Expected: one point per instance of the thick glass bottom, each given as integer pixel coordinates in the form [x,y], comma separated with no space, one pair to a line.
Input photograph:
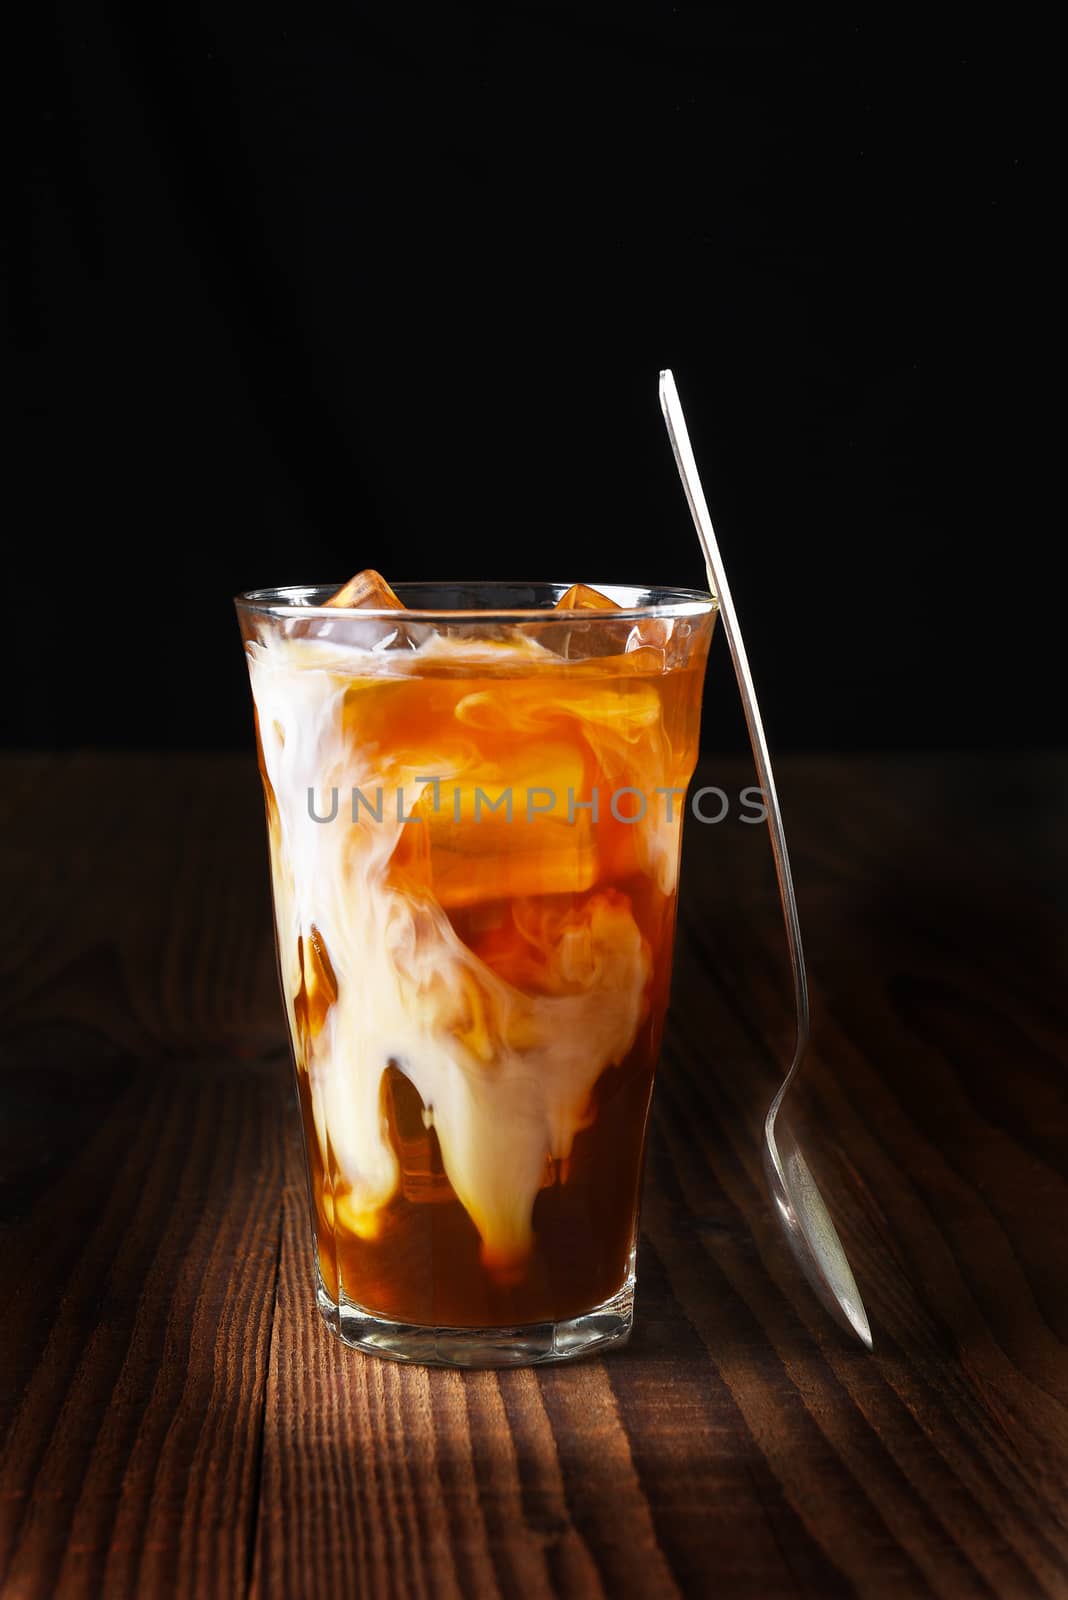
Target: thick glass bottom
[532,1344]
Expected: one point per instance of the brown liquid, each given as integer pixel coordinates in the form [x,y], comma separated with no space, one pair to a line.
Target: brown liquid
[519,896]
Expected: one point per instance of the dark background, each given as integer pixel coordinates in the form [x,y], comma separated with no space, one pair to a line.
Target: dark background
[352,285]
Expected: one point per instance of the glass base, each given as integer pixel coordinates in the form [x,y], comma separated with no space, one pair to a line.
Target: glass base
[532,1344]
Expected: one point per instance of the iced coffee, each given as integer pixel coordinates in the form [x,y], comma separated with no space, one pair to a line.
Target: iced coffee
[475,797]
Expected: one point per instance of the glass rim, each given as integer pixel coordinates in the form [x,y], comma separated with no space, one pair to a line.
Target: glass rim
[673,602]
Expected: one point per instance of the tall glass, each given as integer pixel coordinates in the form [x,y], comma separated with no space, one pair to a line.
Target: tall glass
[474,811]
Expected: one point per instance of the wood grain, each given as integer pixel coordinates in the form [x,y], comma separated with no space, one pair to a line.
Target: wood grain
[178,1421]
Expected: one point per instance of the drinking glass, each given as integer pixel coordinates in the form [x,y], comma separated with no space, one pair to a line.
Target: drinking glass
[474,814]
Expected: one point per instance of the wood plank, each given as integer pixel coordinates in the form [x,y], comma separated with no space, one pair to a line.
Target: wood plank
[144,1287]
[142,1213]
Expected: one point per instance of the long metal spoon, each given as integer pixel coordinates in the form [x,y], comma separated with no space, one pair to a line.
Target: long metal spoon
[805,1219]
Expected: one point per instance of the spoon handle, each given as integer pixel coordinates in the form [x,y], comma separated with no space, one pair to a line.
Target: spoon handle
[717,578]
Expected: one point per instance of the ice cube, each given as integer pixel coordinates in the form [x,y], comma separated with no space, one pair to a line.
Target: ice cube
[642,642]
[493,836]
[367,591]
[546,946]
[579,639]
[612,714]
[580,597]
[615,702]
[318,988]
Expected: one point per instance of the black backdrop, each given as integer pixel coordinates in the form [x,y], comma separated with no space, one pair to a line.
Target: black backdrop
[354,285]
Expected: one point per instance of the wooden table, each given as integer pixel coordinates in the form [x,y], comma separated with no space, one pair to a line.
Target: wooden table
[180,1421]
